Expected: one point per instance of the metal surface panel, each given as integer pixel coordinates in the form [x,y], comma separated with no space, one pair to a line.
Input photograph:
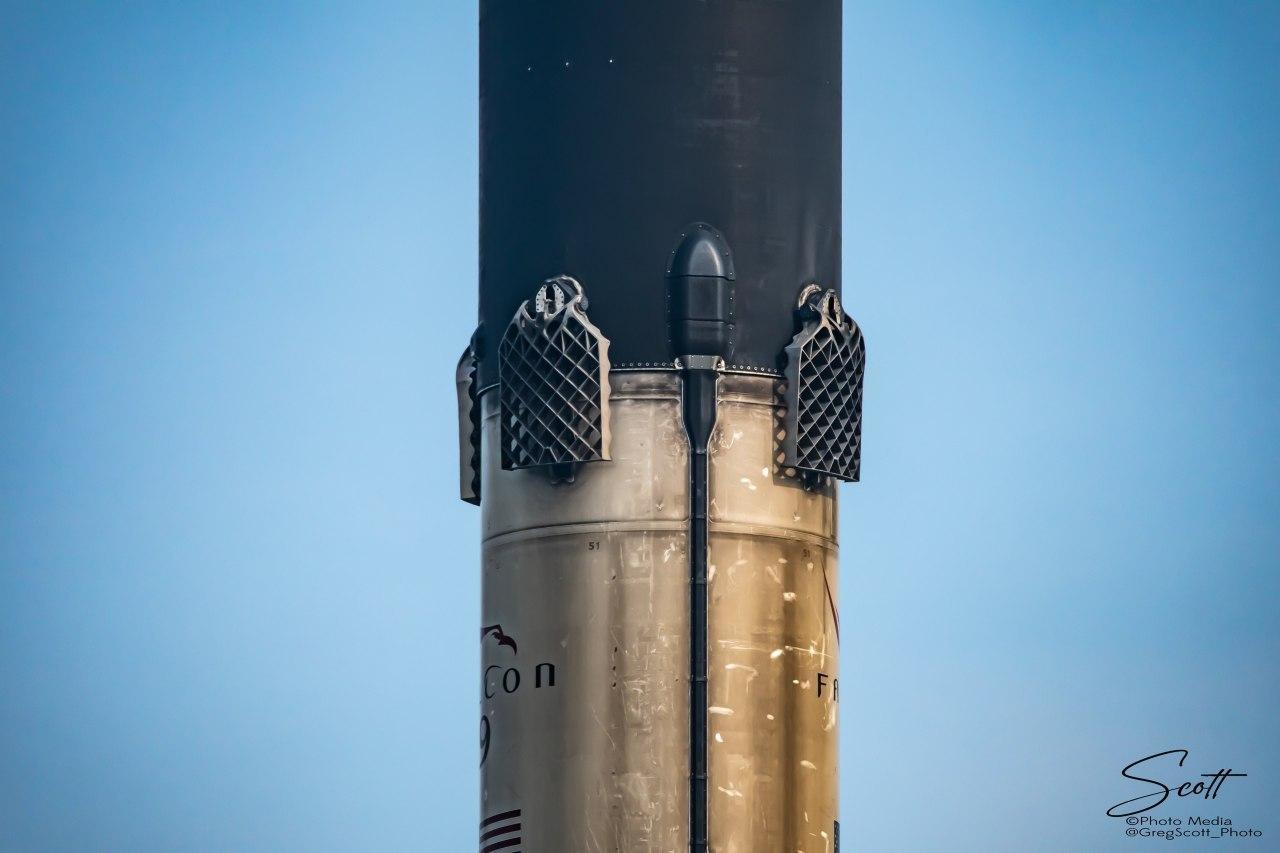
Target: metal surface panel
[749,485]
[773,640]
[646,481]
[584,637]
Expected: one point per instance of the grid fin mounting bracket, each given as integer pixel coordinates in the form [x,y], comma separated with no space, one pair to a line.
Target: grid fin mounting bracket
[825,363]
[553,373]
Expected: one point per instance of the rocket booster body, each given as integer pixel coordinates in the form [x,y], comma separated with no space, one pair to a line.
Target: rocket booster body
[655,409]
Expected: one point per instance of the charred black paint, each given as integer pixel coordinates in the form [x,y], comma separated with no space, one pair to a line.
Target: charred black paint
[607,126]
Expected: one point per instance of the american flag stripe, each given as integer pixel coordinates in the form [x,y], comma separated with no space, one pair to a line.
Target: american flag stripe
[500,845]
[498,817]
[500,832]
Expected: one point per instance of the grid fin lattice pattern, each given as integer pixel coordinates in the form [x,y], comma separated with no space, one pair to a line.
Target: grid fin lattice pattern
[468,428]
[553,370]
[825,365]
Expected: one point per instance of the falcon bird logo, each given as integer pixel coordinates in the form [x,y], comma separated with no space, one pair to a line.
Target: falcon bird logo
[502,638]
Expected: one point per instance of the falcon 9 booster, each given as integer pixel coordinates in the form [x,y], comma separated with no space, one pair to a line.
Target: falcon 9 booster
[655,409]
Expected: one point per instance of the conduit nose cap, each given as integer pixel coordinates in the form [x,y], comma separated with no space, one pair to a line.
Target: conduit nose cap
[702,251]
[700,313]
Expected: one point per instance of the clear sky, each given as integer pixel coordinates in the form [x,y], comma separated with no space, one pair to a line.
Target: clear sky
[239,596]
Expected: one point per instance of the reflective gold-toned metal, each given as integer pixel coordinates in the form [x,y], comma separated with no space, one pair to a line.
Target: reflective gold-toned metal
[773,638]
[587,583]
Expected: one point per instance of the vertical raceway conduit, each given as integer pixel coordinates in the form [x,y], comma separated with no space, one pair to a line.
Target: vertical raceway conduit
[700,286]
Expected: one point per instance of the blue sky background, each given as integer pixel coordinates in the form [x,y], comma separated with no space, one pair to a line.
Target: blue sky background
[238,595]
